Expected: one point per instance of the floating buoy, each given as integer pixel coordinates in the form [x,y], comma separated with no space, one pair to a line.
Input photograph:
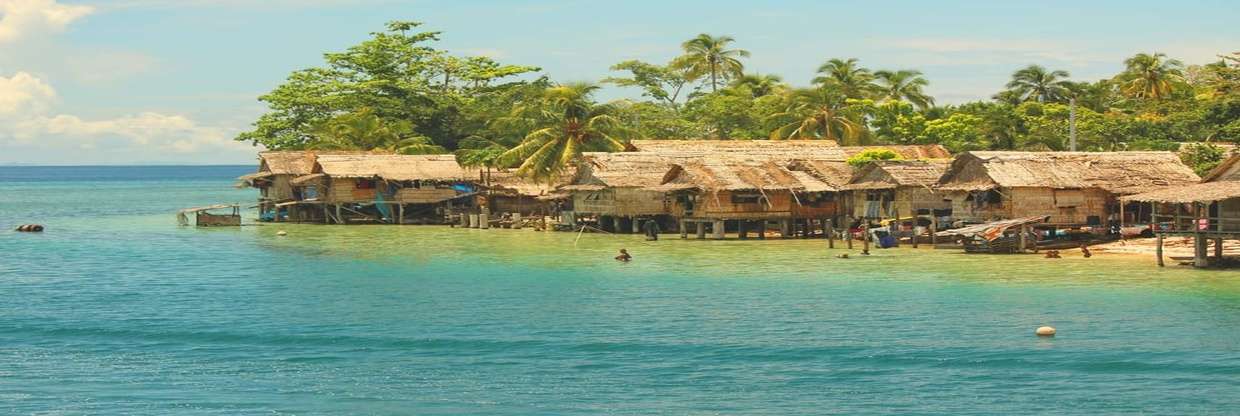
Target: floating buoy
[30,228]
[281,233]
[1045,331]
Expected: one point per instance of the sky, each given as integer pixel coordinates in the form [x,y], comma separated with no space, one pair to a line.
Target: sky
[173,81]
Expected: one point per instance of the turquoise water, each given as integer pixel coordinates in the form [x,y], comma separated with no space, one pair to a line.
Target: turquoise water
[116,310]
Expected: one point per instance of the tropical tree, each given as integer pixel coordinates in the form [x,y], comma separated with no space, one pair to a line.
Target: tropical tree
[760,85]
[363,130]
[846,76]
[1151,76]
[906,85]
[565,122]
[663,83]
[1036,83]
[818,113]
[708,55]
[481,152]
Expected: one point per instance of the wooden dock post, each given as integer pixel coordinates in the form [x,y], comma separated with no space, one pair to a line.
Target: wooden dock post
[339,219]
[1199,250]
[718,229]
[635,224]
[829,230]
[684,229]
[473,220]
[742,229]
[916,221]
[701,230]
[484,218]
[865,238]
[1158,250]
[463,220]
[1218,249]
[848,234]
[1024,228]
[400,213]
[934,226]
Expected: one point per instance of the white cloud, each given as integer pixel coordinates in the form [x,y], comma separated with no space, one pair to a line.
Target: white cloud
[24,95]
[97,66]
[22,18]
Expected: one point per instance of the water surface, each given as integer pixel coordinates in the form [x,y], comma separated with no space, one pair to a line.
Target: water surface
[116,310]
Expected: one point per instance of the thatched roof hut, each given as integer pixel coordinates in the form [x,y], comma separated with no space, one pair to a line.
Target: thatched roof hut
[716,173]
[620,170]
[1229,170]
[780,150]
[1201,192]
[1119,173]
[437,168]
[891,174]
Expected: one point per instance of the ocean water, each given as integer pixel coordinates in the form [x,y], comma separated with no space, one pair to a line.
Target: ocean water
[117,310]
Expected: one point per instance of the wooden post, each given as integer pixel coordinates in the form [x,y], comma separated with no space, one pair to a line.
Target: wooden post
[684,229]
[339,219]
[1158,250]
[1218,249]
[1021,247]
[785,228]
[848,234]
[400,213]
[616,225]
[701,230]
[636,225]
[761,229]
[1199,241]
[326,216]
[718,229]
[473,220]
[742,229]
[934,226]
[829,225]
[865,237]
[484,218]
[915,235]
[516,220]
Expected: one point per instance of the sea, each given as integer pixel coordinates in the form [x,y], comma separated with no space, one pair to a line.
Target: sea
[117,310]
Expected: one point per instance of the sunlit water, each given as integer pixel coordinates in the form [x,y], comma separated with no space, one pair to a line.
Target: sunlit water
[117,310]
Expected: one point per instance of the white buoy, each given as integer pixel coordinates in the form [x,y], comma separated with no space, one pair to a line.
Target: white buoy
[1045,331]
[281,233]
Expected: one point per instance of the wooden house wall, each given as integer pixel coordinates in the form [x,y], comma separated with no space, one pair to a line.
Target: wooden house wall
[1063,206]
[280,189]
[821,208]
[345,190]
[620,202]
[719,205]
[526,205]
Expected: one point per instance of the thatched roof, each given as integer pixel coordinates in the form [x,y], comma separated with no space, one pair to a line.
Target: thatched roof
[890,174]
[835,173]
[295,162]
[621,170]
[509,181]
[1229,170]
[1116,172]
[780,150]
[735,174]
[441,168]
[1202,192]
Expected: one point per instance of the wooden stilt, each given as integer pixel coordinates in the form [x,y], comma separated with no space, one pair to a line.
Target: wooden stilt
[865,237]
[761,229]
[916,220]
[516,220]
[719,229]
[934,226]
[742,229]
[1199,251]
[1218,249]
[339,219]
[616,225]
[635,224]
[701,230]
[848,234]
[829,229]
[484,218]
[684,230]
[1158,250]
[1023,230]
[400,213]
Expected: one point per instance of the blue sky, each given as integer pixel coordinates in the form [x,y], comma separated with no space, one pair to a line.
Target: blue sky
[172,81]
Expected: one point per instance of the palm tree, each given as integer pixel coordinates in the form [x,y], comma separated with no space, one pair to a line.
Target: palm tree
[363,130]
[905,84]
[760,85]
[481,152]
[1037,83]
[708,55]
[1151,76]
[565,123]
[847,77]
[818,113]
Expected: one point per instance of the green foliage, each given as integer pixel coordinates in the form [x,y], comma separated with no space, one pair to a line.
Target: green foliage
[563,123]
[1202,157]
[708,57]
[363,130]
[870,155]
[663,83]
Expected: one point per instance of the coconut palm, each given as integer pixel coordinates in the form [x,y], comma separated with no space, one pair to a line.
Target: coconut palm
[481,152]
[363,130]
[846,76]
[1151,76]
[906,85]
[818,113]
[564,123]
[760,85]
[1035,82]
[709,55]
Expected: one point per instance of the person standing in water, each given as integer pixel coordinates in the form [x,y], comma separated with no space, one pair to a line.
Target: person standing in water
[624,256]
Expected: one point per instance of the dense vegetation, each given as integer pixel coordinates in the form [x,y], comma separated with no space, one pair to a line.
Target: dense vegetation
[395,92]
